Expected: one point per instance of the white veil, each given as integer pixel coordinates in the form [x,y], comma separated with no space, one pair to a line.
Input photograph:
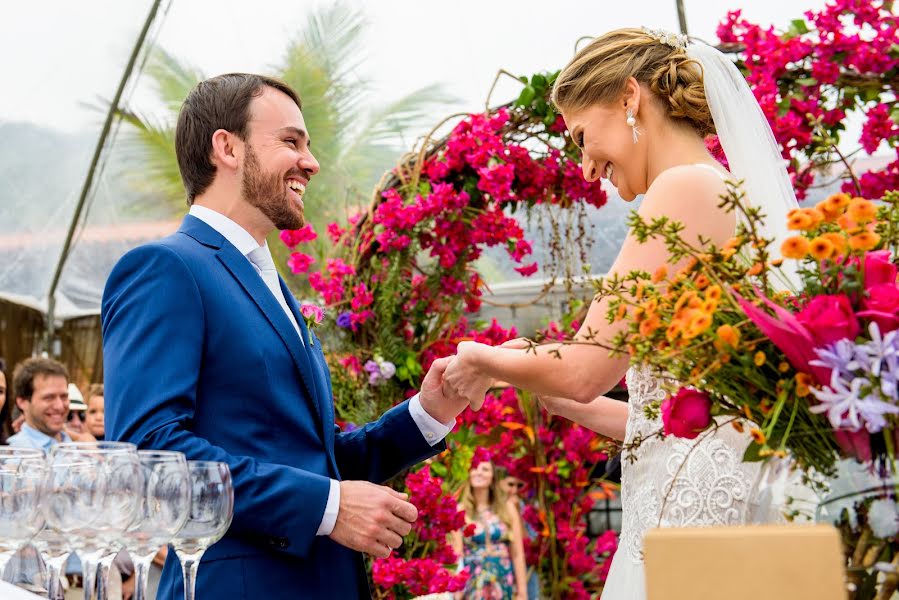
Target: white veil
[754,157]
[749,145]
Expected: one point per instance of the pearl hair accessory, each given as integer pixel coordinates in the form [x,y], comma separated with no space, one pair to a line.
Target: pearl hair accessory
[675,40]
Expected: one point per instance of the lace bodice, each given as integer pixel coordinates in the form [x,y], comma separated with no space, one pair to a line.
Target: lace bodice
[674,482]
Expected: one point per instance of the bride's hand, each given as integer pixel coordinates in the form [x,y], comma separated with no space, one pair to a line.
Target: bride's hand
[463,378]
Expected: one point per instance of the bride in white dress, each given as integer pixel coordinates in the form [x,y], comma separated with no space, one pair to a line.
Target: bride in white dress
[639,104]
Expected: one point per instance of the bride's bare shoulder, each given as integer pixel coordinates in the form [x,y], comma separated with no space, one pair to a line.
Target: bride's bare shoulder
[691,194]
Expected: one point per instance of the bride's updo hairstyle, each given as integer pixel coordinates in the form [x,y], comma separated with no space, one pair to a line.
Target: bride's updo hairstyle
[599,72]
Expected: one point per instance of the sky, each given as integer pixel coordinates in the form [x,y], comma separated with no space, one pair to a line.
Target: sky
[60,59]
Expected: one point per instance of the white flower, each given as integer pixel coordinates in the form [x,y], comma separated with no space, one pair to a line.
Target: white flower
[883,518]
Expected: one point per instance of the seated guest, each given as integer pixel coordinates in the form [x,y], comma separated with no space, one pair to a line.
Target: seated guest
[41,389]
[94,421]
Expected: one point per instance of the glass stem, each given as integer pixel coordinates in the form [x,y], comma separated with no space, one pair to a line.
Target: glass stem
[89,574]
[141,574]
[5,557]
[189,568]
[102,580]
[53,570]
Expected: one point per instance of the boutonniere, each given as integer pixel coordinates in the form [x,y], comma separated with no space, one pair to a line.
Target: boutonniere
[313,315]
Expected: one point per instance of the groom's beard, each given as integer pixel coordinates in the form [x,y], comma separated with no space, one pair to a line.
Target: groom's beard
[268,192]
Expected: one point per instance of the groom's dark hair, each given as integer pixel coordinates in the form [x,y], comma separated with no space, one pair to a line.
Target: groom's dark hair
[221,102]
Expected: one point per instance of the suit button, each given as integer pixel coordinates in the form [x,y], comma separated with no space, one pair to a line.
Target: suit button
[430,435]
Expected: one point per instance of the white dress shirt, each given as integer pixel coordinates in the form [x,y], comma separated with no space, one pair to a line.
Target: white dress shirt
[431,429]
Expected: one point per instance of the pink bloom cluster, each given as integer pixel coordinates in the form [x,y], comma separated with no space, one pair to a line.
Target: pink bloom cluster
[852,38]
[438,516]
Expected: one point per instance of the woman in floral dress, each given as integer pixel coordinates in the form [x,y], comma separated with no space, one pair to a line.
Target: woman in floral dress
[494,552]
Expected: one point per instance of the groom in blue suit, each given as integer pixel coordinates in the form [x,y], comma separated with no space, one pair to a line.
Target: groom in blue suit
[206,353]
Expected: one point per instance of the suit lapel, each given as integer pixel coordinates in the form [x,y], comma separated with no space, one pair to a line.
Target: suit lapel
[250,280]
[325,404]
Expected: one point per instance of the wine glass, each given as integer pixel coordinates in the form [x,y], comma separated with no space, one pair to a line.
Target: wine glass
[22,475]
[54,547]
[95,491]
[211,510]
[165,508]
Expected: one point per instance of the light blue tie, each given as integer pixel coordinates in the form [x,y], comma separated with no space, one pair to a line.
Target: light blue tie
[262,260]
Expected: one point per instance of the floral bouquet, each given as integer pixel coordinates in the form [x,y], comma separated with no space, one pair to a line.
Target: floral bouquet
[801,351]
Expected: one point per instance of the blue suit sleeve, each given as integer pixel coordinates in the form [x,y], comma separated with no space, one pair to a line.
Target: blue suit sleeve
[153,344]
[383,448]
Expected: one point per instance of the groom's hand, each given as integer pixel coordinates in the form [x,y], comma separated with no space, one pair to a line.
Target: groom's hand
[372,518]
[433,400]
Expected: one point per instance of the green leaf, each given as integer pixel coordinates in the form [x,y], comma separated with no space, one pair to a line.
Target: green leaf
[523,79]
[752,453]
[439,469]
[538,81]
[807,81]
[527,96]
[893,51]
[799,26]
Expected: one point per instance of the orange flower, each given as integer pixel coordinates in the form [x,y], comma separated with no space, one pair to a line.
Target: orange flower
[783,367]
[847,224]
[821,248]
[702,282]
[836,203]
[649,326]
[684,300]
[866,240]
[660,274]
[737,425]
[776,262]
[759,358]
[622,312]
[800,221]
[803,382]
[838,240]
[674,330]
[713,293]
[733,243]
[816,215]
[709,306]
[795,247]
[727,336]
[699,322]
[861,210]
[755,269]
[639,292]
[757,436]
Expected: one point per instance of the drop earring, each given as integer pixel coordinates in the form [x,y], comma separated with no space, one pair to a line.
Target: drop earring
[632,122]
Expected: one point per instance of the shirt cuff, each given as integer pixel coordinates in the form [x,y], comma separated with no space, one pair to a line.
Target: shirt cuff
[432,429]
[329,519]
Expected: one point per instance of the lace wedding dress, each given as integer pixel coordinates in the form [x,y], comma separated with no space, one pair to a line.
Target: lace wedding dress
[674,482]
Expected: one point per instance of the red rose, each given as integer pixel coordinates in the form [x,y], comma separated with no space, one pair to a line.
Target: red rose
[829,318]
[686,413]
[879,269]
[882,306]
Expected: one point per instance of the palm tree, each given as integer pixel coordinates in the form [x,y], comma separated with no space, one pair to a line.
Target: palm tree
[354,142]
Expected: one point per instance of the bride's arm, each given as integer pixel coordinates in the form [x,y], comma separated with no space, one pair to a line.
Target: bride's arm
[585,371]
[603,415]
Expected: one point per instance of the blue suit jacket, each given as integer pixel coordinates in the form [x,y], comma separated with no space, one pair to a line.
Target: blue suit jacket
[199,357]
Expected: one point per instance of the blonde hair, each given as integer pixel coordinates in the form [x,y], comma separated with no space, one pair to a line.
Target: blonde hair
[497,499]
[599,72]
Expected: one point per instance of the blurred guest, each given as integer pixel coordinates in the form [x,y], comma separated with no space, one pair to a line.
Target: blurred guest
[5,406]
[94,420]
[41,389]
[494,553]
[77,413]
[514,488]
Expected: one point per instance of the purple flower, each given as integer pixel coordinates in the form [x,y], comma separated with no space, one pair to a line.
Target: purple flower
[372,368]
[345,320]
[388,369]
[852,404]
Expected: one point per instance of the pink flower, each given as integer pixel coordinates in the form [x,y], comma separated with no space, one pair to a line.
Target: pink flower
[787,333]
[879,269]
[687,413]
[299,262]
[527,270]
[854,444]
[882,306]
[293,237]
[312,312]
[829,318]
